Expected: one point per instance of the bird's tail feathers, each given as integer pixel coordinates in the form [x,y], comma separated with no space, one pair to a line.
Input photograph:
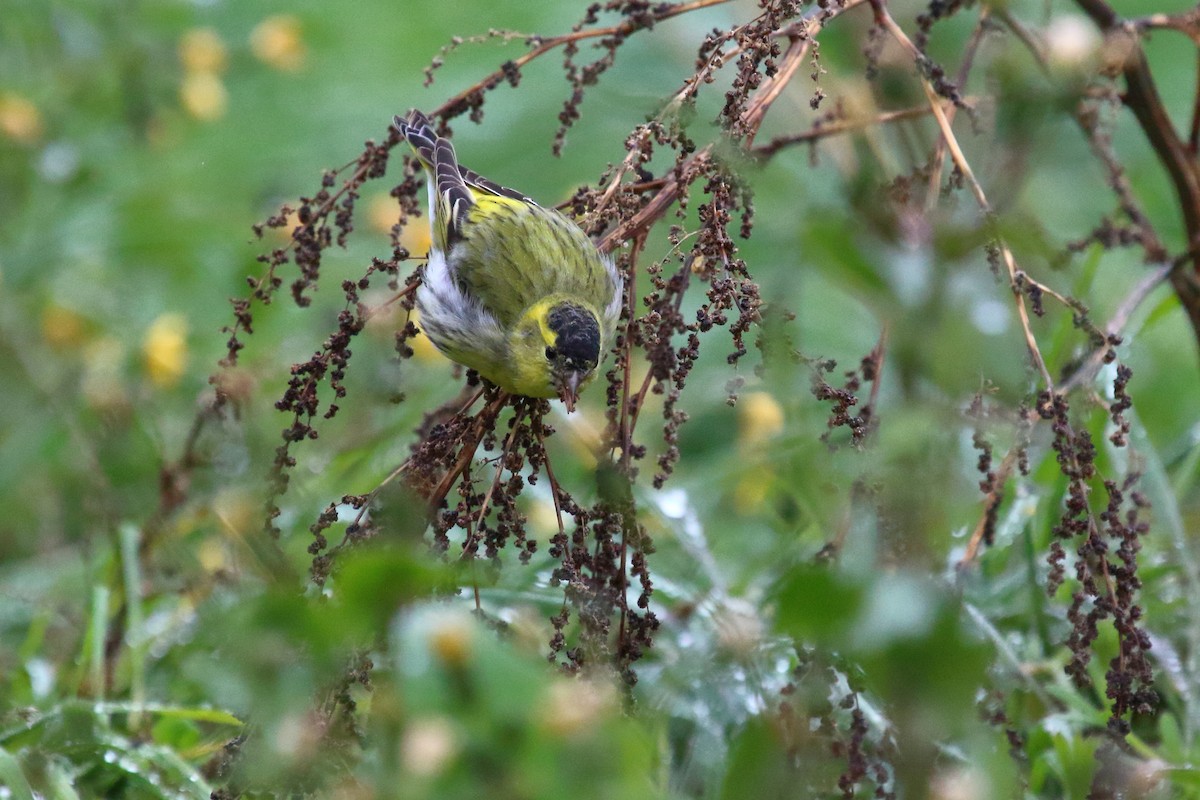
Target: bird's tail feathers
[453,195]
[416,128]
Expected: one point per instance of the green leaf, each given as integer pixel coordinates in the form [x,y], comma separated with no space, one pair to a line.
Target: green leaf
[194,714]
[758,767]
[816,604]
[12,778]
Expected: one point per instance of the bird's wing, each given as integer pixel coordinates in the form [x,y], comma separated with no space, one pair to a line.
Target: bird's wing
[485,186]
[437,153]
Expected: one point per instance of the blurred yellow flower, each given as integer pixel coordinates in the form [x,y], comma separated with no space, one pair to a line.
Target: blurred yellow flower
[451,641]
[20,119]
[543,517]
[62,328]
[760,419]
[164,350]
[204,96]
[213,556]
[415,238]
[383,213]
[202,50]
[284,232]
[277,42]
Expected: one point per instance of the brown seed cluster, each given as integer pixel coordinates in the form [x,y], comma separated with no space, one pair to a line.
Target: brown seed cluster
[819,713]
[845,398]
[1106,548]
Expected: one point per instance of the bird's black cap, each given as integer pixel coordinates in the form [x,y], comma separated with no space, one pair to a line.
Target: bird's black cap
[578,335]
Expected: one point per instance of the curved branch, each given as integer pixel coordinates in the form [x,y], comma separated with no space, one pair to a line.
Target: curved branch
[543,46]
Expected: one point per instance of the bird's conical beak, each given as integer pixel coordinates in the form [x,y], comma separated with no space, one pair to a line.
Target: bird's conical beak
[568,390]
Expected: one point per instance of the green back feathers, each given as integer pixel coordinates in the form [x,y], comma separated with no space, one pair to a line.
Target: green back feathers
[516,254]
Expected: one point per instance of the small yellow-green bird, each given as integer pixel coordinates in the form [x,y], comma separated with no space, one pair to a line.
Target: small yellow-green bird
[515,291]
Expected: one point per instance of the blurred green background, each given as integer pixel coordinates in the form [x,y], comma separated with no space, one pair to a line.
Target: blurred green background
[141,627]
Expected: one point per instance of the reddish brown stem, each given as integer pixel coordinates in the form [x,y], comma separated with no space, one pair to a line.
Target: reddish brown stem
[458,102]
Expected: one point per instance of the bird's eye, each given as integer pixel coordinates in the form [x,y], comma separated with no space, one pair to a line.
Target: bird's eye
[551,353]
